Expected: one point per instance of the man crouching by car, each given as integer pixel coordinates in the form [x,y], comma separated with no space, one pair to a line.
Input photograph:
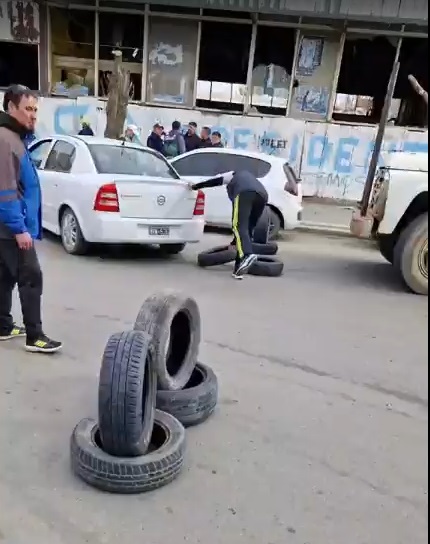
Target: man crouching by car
[20,222]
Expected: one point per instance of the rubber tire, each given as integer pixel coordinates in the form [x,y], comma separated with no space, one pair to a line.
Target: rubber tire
[267,266]
[262,232]
[194,404]
[405,254]
[82,246]
[386,244]
[216,256]
[172,249]
[128,475]
[270,248]
[156,317]
[127,395]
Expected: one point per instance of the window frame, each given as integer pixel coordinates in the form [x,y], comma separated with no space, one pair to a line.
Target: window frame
[72,157]
[36,145]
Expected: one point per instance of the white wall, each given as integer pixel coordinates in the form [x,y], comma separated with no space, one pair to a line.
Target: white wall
[331,158]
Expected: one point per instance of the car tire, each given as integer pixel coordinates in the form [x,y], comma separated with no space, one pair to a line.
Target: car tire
[172,321]
[411,255]
[270,248]
[127,395]
[172,249]
[72,238]
[267,266]
[216,256]
[129,475]
[268,226]
[196,402]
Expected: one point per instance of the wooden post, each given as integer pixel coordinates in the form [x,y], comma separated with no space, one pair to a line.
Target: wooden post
[118,96]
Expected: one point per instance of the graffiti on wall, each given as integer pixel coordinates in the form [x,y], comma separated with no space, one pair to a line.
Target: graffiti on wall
[331,159]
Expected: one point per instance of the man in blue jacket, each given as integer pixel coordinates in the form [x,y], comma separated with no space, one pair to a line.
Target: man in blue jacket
[20,222]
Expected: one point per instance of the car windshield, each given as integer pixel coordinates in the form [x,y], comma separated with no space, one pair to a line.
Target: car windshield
[130,161]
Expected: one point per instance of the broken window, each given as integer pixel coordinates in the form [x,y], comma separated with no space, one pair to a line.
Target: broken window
[171,61]
[271,74]
[73,51]
[125,32]
[315,69]
[413,61]
[367,63]
[223,65]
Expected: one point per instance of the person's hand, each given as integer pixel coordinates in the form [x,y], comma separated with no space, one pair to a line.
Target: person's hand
[24,241]
[191,186]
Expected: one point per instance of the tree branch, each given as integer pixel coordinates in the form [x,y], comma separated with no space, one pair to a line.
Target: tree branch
[419,89]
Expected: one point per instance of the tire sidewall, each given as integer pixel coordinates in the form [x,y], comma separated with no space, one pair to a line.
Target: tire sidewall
[413,241]
[80,239]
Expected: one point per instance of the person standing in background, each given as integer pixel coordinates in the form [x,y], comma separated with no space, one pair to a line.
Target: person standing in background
[216,139]
[86,129]
[174,143]
[155,140]
[132,134]
[192,140]
[205,137]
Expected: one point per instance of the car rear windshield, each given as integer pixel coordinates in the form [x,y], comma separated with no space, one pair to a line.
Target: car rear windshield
[130,161]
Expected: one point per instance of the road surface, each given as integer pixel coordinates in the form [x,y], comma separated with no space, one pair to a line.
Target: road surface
[321,432]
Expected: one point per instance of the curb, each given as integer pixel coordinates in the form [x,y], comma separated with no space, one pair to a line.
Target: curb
[325,228]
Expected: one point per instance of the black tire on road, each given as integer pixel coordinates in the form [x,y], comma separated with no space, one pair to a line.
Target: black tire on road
[216,256]
[196,402]
[172,249]
[71,234]
[172,321]
[129,475]
[127,395]
[267,266]
[411,255]
[268,226]
[270,248]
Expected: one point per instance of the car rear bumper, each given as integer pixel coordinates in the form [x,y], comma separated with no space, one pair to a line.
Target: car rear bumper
[292,215]
[108,228]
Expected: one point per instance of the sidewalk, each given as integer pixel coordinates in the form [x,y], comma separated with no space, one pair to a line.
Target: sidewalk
[327,217]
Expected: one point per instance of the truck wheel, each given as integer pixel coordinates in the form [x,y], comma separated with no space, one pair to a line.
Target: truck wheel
[386,245]
[411,255]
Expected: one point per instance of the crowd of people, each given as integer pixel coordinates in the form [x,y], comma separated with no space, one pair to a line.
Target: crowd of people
[169,143]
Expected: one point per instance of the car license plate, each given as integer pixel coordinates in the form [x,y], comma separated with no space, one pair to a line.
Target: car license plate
[159,231]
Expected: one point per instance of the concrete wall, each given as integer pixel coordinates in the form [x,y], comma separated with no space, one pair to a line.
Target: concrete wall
[331,158]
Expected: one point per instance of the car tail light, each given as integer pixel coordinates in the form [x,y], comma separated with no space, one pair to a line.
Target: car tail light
[292,185]
[107,199]
[199,208]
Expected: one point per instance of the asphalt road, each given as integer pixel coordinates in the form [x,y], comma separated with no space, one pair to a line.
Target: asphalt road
[321,432]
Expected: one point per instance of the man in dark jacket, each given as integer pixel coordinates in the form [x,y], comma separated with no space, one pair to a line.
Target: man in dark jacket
[155,141]
[192,141]
[205,137]
[216,139]
[20,222]
[249,198]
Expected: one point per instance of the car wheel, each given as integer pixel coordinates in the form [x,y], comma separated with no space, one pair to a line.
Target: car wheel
[71,234]
[411,255]
[129,475]
[195,403]
[268,226]
[172,249]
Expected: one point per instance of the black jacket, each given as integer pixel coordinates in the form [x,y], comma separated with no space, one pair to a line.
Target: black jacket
[205,143]
[192,142]
[219,144]
[155,142]
[86,131]
[241,182]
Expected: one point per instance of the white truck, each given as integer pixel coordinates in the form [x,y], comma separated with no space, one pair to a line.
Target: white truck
[397,217]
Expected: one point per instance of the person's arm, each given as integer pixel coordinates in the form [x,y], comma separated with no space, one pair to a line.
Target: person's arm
[10,206]
[181,144]
[214,182]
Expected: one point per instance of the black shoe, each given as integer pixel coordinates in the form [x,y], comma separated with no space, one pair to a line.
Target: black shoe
[43,345]
[16,332]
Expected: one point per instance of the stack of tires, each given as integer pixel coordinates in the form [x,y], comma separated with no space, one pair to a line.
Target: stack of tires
[151,387]
[266,264]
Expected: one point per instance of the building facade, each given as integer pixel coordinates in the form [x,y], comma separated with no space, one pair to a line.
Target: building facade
[304,79]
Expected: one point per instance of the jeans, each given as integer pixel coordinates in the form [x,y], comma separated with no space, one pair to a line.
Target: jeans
[22,268]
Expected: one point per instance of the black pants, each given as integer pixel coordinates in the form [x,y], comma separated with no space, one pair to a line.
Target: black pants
[22,268]
[247,209]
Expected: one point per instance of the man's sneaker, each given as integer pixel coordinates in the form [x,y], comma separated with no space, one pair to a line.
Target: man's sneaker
[16,332]
[236,276]
[43,345]
[245,264]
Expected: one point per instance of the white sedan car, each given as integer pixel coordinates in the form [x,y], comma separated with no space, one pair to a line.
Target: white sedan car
[96,190]
[281,182]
